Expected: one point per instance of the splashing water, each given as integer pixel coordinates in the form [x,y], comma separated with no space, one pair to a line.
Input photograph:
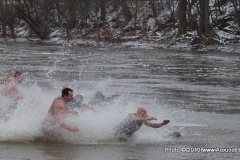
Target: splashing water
[165,86]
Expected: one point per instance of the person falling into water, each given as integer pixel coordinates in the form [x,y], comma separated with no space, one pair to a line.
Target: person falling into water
[77,103]
[54,120]
[100,99]
[11,91]
[133,122]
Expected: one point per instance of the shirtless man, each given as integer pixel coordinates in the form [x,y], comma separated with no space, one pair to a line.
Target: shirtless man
[134,122]
[11,91]
[52,123]
[5,78]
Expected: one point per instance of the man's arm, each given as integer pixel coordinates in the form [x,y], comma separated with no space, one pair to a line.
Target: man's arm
[73,112]
[5,78]
[156,125]
[70,128]
[114,96]
[140,119]
[85,105]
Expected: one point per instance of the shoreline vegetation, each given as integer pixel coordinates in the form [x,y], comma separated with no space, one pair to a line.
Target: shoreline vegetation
[138,44]
[191,25]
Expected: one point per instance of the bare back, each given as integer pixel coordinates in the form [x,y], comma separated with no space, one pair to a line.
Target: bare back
[57,111]
[11,90]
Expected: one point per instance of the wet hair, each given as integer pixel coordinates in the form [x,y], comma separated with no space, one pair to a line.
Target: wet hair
[17,73]
[65,91]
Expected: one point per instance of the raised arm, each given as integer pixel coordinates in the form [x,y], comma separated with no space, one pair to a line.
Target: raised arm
[113,96]
[156,125]
[140,119]
[5,78]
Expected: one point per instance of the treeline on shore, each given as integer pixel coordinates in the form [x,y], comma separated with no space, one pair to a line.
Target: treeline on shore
[120,20]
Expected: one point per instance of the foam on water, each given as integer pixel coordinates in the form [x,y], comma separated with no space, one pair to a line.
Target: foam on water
[24,124]
[98,128]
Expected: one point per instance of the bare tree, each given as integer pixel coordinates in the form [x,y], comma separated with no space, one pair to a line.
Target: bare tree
[71,13]
[69,16]
[35,16]
[235,4]
[11,17]
[182,27]
[152,3]
[204,27]
[103,10]
[191,15]
[126,12]
[3,18]
[207,26]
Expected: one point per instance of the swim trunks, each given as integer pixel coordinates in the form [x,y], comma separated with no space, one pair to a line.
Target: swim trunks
[12,107]
[52,132]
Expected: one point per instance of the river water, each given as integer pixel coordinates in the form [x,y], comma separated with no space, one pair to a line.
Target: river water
[197,91]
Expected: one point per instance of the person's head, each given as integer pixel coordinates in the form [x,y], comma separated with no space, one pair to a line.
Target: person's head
[18,76]
[99,95]
[67,94]
[78,97]
[77,100]
[142,112]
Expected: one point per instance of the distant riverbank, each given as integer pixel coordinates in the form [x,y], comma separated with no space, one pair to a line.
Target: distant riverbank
[233,49]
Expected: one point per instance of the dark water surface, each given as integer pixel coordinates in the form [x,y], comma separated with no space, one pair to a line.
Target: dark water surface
[197,91]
